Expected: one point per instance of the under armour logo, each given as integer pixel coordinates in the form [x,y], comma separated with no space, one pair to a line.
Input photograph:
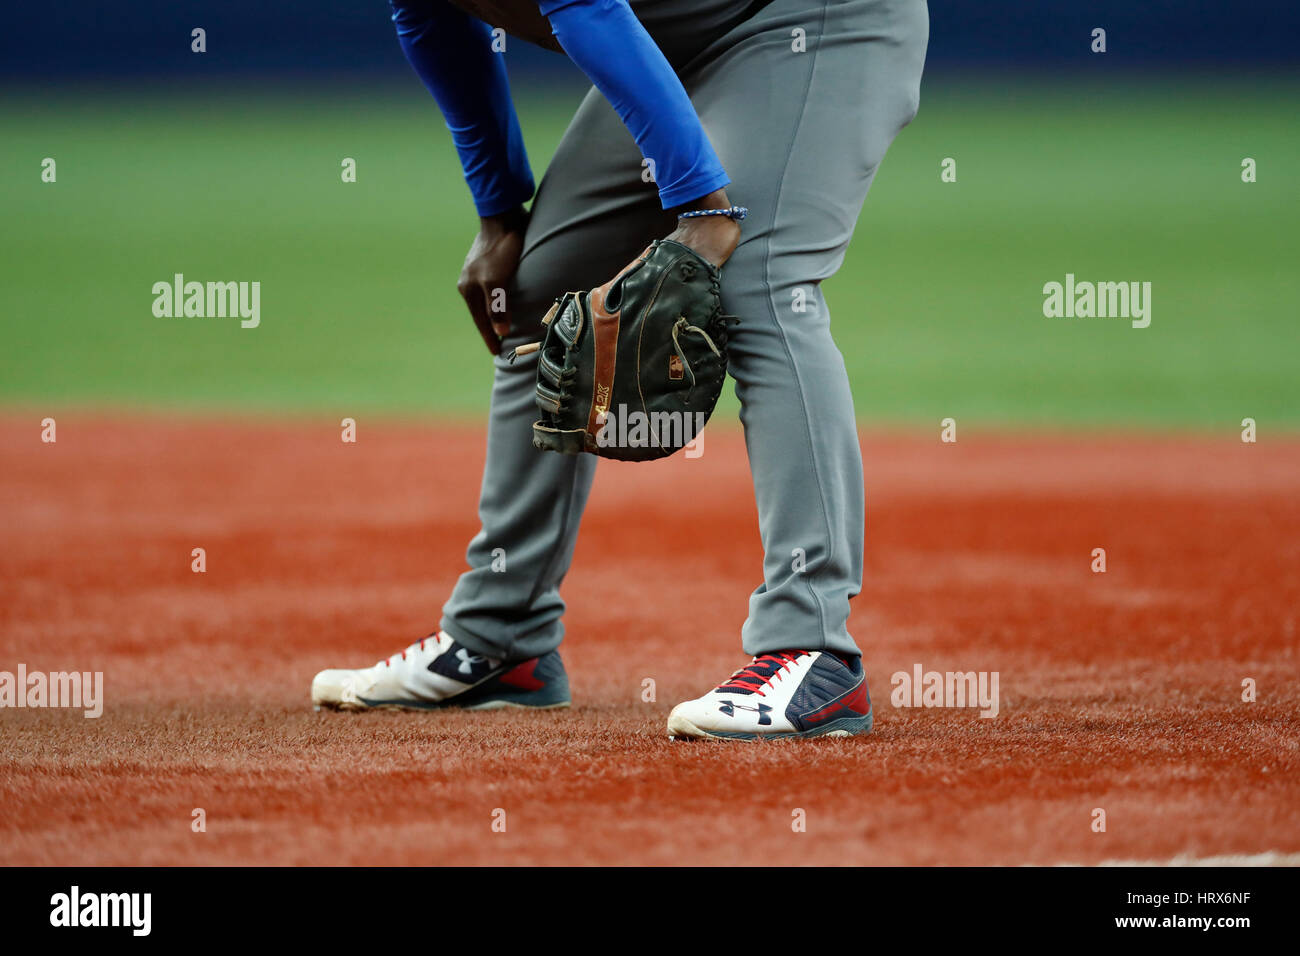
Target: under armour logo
[729,707]
[467,661]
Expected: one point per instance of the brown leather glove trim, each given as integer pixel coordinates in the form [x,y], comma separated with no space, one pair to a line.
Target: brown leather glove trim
[604,331]
[604,343]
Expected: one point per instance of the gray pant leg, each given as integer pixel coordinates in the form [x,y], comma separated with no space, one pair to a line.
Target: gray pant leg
[801,134]
[591,217]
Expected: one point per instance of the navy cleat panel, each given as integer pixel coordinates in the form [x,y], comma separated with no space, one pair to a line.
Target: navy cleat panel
[834,692]
[540,683]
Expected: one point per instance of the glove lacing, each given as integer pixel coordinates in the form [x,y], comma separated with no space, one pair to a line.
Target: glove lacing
[681,325]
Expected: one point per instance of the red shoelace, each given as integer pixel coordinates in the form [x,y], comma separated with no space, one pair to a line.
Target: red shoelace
[389,661]
[759,672]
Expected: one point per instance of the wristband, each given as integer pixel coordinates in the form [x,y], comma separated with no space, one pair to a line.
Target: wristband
[731,212]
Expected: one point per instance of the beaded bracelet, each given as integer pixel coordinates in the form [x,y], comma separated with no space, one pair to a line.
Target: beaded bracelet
[733,212]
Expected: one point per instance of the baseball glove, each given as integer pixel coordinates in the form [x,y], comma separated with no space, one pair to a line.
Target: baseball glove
[632,370]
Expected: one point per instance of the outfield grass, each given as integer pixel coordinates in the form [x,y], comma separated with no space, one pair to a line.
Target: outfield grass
[938,308]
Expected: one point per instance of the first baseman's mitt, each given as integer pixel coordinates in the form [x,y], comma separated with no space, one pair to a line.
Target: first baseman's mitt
[633,369]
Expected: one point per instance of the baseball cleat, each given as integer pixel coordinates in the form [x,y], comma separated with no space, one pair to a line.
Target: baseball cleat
[775,696]
[440,672]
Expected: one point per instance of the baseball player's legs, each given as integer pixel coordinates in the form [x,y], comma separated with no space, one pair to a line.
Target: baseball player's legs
[801,101]
[801,121]
[801,128]
[592,215]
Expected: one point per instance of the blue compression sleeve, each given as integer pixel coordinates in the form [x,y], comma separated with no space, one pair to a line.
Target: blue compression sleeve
[452,53]
[608,43]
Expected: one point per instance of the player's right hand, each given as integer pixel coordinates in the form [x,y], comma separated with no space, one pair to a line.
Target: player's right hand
[489,267]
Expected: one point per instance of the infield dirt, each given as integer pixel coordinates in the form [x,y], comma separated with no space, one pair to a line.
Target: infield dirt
[1120,691]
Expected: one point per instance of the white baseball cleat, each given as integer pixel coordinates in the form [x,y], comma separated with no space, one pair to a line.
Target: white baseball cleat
[439,672]
[780,695]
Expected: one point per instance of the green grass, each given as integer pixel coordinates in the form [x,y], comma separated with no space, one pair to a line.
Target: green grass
[938,308]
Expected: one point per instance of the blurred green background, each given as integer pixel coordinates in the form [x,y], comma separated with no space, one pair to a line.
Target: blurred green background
[938,308]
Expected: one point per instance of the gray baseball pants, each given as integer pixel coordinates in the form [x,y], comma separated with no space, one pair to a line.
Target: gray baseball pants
[801,100]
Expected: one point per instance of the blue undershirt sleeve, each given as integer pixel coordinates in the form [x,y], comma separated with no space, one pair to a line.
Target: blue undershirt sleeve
[608,43]
[452,53]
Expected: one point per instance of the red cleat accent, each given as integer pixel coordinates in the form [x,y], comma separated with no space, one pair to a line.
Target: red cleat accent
[523,676]
[855,702]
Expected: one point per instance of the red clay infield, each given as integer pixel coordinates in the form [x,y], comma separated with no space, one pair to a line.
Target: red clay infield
[1120,691]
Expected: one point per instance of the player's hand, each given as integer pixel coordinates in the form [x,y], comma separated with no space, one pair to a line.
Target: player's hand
[489,267]
[713,237]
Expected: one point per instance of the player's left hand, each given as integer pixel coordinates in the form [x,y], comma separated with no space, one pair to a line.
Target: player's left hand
[714,237]
[491,263]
